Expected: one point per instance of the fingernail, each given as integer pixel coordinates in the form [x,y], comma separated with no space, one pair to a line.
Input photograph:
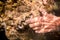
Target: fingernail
[35,28]
[31,26]
[36,31]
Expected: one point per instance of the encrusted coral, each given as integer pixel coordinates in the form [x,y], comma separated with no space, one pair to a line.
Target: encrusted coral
[18,11]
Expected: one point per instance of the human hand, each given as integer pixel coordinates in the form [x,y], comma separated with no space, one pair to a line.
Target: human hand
[38,24]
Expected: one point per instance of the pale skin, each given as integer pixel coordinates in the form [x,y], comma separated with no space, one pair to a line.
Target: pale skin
[46,23]
[42,25]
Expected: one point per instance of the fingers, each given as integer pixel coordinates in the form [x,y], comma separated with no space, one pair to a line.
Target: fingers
[33,20]
[43,30]
[36,28]
[35,24]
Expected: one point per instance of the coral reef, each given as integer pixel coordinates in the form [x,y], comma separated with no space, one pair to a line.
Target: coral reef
[16,12]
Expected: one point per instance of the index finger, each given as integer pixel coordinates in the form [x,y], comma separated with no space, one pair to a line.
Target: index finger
[33,20]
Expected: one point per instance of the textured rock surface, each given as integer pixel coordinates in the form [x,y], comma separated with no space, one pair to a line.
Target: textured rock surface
[14,13]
